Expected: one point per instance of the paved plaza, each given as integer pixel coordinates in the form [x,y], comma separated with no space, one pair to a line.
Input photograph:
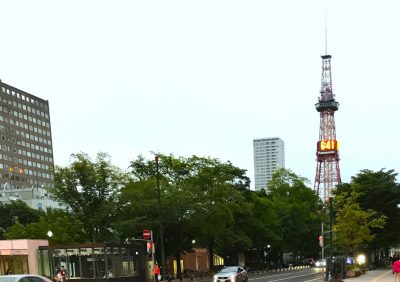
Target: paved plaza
[377,275]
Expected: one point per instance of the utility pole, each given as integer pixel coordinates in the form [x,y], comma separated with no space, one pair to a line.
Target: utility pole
[330,238]
[159,218]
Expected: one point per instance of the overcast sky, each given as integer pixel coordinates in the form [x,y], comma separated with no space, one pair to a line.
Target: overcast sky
[207,77]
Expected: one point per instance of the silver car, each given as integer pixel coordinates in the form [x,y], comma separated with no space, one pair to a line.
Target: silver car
[231,274]
[319,263]
[24,278]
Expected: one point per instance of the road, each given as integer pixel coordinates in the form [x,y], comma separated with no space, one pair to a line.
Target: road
[302,275]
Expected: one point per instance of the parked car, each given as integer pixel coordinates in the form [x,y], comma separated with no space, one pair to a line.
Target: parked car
[231,274]
[24,278]
[319,263]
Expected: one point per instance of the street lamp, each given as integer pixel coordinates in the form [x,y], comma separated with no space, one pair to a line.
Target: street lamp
[329,266]
[50,234]
[159,217]
[5,188]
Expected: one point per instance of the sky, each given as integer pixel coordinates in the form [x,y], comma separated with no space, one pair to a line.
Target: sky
[207,77]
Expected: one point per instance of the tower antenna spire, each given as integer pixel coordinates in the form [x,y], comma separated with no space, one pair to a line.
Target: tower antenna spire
[326,34]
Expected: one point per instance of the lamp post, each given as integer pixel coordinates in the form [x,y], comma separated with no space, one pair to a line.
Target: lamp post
[50,234]
[5,187]
[329,262]
[159,217]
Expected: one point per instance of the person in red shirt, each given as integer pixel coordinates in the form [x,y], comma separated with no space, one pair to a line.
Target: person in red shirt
[157,273]
[396,270]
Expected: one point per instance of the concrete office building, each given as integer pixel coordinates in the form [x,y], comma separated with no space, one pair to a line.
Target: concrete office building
[269,155]
[26,153]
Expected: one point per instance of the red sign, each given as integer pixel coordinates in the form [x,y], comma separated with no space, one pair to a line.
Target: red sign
[149,247]
[146,234]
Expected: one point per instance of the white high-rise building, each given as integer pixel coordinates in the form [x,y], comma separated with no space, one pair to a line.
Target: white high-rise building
[269,155]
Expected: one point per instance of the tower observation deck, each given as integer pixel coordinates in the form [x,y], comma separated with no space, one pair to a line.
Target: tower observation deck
[327,174]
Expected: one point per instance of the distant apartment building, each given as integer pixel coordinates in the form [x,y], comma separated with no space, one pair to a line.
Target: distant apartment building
[26,153]
[269,155]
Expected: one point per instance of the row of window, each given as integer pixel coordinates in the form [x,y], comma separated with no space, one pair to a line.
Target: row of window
[273,157]
[27,136]
[25,126]
[26,153]
[33,137]
[29,172]
[30,118]
[40,183]
[23,134]
[25,117]
[259,142]
[23,97]
[20,106]
[26,162]
[27,145]
[32,182]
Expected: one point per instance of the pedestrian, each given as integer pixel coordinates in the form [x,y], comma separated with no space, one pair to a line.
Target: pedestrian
[63,273]
[57,277]
[393,259]
[8,271]
[396,270]
[157,275]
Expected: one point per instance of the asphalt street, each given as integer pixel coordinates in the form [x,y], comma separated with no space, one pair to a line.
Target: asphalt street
[303,275]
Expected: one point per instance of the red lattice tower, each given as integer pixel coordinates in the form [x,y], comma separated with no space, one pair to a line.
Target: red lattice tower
[327,175]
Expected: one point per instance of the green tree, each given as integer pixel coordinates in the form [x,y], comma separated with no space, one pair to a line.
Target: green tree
[13,212]
[199,200]
[64,226]
[352,230]
[262,225]
[297,208]
[380,192]
[88,190]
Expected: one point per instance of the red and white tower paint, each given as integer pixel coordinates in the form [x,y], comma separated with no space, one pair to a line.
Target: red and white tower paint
[327,174]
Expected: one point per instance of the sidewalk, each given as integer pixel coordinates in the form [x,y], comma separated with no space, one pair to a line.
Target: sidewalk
[377,275]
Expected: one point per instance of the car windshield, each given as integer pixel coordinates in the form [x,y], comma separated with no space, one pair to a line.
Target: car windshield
[7,279]
[229,269]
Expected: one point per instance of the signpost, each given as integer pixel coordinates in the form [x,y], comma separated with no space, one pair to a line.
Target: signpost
[147,234]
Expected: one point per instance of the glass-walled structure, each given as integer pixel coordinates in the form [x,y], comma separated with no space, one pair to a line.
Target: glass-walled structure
[98,261]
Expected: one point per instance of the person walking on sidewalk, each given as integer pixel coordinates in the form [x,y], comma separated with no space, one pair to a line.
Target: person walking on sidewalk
[396,270]
[157,273]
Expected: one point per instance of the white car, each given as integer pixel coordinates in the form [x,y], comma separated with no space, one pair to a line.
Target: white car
[231,274]
[24,278]
[319,263]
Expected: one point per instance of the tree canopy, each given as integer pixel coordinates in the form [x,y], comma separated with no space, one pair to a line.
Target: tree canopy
[88,190]
[206,201]
[353,227]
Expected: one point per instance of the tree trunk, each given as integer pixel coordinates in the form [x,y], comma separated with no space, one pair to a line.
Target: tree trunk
[211,255]
[178,266]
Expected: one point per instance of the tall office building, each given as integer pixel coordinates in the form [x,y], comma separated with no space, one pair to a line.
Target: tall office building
[269,155]
[26,153]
